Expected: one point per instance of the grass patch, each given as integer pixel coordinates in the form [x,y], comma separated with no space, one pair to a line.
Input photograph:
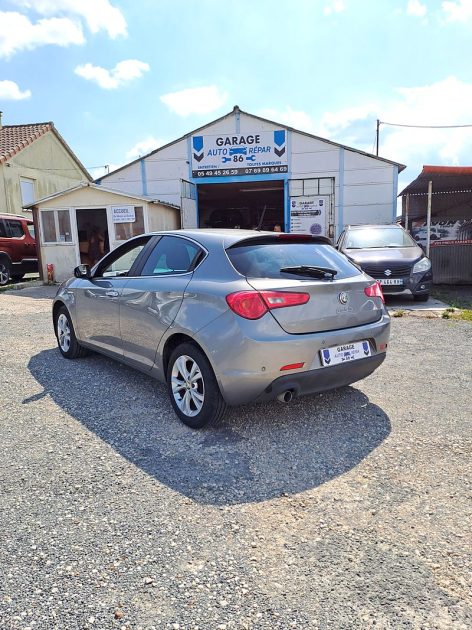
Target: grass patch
[398,313]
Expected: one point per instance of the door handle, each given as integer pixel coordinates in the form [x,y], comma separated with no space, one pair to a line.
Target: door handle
[112,293]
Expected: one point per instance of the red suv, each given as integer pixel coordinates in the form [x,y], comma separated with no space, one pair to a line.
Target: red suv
[17,248]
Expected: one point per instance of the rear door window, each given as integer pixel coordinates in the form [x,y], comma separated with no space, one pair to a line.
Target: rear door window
[172,255]
[15,228]
[266,260]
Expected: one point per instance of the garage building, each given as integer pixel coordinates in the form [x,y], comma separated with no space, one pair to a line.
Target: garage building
[245,171]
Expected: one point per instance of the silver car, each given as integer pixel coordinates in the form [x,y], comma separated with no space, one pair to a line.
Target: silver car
[227,317]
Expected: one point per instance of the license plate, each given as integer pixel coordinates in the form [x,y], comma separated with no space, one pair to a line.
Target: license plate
[345,352]
[390,281]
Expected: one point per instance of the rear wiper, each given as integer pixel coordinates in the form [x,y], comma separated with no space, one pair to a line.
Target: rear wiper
[307,270]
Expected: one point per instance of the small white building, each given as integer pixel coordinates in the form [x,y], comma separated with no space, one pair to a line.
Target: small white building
[79,225]
[245,171]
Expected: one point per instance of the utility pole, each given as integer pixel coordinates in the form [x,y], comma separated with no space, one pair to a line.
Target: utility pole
[428,217]
[377,138]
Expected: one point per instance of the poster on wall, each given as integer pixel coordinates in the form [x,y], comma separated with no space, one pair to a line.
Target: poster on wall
[123,214]
[308,215]
[443,232]
[261,153]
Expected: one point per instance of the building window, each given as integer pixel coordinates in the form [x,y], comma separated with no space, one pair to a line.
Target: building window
[124,231]
[311,187]
[56,226]
[27,191]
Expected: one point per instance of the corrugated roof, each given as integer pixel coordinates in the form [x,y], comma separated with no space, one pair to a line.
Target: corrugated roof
[445,179]
[14,138]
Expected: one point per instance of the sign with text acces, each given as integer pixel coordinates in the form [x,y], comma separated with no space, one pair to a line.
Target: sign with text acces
[261,153]
[308,215]
[123,214]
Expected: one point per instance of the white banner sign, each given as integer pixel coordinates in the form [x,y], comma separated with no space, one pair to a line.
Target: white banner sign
[123,214]
[257,153]
[443,232]
[308,215]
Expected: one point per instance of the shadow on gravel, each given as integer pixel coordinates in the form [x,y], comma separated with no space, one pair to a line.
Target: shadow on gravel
[259,452]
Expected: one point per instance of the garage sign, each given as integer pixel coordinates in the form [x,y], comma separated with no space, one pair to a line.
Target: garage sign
[308,215]
[260,153]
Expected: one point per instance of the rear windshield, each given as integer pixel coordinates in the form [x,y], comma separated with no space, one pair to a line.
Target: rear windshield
[377,237]
[267,260]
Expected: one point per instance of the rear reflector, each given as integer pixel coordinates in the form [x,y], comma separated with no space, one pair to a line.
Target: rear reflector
[375,290]
[292,366]
[254,304]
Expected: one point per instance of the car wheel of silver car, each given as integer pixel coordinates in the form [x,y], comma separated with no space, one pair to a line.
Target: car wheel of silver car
[192,386]
[66,339]
[4,272]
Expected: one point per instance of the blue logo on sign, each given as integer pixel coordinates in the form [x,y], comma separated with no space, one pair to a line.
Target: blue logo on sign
[365,345]
[197,143]
[326,356]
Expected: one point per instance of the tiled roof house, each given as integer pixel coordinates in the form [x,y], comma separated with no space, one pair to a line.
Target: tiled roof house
[35,161]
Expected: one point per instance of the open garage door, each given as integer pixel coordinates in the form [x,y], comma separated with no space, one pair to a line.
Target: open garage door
[245,205]
[188,205]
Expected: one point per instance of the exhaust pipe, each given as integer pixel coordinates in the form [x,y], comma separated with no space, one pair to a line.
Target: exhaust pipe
[285,397]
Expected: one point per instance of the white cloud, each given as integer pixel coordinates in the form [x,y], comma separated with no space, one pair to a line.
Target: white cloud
[10,91]
[100,15]
[17,32]
[459,11]
[203,100]
[334,6]
[416,9]
[145,146]
[445,102]
[291,117]
[122,73]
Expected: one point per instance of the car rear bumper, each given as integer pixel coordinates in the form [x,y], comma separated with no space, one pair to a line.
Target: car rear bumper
[249,357]
[314,381]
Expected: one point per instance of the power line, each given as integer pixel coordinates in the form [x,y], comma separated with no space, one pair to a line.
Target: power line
[381,122]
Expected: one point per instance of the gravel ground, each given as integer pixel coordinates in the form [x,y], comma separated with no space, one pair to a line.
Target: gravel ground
[349,509]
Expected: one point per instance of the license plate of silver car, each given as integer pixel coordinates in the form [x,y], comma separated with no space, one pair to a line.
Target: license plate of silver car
[345,352]
[390,281]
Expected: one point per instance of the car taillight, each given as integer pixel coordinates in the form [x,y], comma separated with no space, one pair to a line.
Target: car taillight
[375,290]
[254,304]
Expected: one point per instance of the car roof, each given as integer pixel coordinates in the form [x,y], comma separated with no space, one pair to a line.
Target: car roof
[226,237]
[373,225]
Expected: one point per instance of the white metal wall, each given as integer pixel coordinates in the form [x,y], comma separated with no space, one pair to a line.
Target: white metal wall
[365,187]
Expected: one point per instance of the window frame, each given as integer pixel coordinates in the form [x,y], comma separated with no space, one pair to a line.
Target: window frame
[116,253]
[8,228]
[27,180]
[55,212]
[193,267]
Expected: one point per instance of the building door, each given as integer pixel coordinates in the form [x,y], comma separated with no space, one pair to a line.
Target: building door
[188,205]
[312,206]
[92,231]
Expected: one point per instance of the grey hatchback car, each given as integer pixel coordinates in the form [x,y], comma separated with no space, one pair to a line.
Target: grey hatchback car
[226,317]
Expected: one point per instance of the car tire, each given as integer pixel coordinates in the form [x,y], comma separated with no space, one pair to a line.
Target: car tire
[421,297]
[5,270]
[67,342]
[193,389]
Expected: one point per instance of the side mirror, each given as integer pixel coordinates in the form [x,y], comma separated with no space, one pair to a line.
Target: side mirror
[82,271]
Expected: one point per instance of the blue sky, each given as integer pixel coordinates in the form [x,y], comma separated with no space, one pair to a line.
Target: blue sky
[120,77]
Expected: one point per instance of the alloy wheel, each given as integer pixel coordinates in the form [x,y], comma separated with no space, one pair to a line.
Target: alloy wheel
[4,274]
[188,387]
[63,332]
